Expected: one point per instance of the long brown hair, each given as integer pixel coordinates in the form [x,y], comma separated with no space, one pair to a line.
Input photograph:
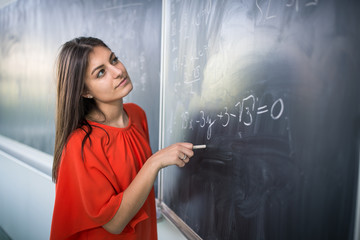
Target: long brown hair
[72,108]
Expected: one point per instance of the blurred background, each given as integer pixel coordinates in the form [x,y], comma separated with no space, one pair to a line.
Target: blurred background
[31,34]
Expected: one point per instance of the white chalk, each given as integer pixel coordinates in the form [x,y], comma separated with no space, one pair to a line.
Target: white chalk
[199,146]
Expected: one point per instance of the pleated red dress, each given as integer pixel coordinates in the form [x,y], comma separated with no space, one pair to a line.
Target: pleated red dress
[89,190]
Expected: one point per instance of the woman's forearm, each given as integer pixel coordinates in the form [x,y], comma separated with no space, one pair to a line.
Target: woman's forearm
[137,192]
[133,197]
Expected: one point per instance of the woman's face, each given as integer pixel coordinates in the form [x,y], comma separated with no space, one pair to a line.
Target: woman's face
[107,80]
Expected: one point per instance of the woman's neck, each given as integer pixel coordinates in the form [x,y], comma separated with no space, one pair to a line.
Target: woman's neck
[113,114]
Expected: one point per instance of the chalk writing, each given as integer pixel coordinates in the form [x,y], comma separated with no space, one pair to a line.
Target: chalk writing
[267,11]
[203,14]
[245,113]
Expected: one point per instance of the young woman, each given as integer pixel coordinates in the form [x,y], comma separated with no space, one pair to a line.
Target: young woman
[103,166]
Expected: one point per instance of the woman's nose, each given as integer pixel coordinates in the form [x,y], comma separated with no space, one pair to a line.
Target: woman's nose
[116,71]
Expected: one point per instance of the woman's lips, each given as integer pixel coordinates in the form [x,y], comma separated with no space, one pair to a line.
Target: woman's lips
[122,82]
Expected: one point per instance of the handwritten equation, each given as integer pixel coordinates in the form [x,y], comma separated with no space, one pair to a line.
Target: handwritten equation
[245,113]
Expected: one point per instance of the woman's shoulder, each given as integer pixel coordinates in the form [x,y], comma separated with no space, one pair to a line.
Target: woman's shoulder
[135,112]
[85,135]
[133,107]
[77,136]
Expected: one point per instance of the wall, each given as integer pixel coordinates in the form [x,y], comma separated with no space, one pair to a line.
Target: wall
[26,194]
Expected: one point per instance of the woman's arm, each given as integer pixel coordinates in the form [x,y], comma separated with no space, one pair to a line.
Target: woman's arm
[137,192]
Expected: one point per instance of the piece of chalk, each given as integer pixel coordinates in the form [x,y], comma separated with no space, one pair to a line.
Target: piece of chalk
[199,146]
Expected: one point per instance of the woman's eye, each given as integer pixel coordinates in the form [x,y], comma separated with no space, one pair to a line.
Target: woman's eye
[115,60]
[100,73]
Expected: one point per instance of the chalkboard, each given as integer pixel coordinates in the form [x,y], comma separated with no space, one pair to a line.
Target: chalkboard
[272,88]
[31,35]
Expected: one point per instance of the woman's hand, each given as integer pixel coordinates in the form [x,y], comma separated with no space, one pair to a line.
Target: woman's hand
[137,192]
[176,154]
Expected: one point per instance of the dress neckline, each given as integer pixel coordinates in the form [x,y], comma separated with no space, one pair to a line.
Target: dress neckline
[112,127]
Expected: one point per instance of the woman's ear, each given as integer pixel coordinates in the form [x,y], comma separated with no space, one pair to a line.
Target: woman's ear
[86,94]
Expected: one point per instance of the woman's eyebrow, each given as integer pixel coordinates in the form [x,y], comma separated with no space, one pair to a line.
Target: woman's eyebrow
[102,65]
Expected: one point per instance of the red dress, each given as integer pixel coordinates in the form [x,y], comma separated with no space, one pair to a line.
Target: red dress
[89,190]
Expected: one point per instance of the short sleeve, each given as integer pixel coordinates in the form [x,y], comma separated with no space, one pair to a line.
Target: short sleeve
[88,199]
[87,194]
